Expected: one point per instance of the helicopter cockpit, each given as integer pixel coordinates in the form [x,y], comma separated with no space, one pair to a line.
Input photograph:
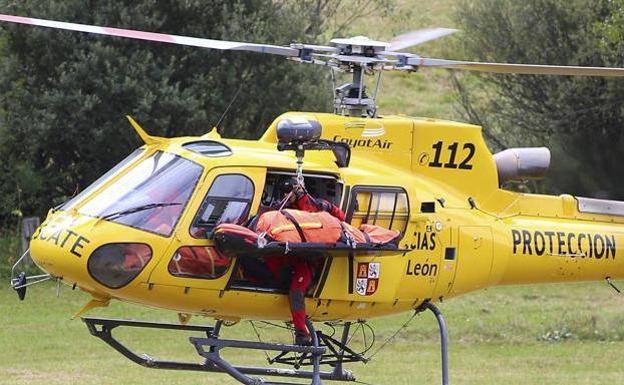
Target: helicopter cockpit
[146,193]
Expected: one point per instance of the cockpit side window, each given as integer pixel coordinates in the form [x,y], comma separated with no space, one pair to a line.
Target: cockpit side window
[228,201]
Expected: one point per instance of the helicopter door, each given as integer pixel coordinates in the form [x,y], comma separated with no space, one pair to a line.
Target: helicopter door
[474,259]
[226,195]
[372,277]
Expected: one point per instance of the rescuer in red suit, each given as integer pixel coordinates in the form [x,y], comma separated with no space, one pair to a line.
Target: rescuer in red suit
[299,199]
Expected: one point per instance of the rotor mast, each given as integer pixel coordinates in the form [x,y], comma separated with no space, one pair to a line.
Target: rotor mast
[360,56]
[351,99]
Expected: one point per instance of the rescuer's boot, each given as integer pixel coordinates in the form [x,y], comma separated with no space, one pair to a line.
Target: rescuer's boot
[302,337]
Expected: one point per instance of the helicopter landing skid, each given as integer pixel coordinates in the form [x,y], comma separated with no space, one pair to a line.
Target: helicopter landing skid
[324,351]
[443,337]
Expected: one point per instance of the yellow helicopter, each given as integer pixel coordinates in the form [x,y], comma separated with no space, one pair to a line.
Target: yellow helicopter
[145,232]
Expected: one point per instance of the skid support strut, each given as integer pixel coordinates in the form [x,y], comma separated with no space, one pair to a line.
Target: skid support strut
[443,337]
[214,360]
[209,347]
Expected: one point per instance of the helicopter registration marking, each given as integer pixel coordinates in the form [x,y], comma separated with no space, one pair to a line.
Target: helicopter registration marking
[466,157]
[62,237]
[559,243]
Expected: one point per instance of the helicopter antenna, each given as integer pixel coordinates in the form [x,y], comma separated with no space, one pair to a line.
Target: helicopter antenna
[227,109]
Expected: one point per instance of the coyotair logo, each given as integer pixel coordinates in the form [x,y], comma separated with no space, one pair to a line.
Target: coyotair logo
[368,143]
[374,132]
[369,131]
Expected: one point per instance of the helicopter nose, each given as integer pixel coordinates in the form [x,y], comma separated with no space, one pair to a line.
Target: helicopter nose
[60,249]
[95,254]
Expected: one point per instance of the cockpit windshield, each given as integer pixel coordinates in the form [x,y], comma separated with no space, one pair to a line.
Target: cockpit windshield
[151,196]
[73,202]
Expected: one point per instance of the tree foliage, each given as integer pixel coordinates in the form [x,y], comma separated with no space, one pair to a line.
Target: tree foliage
[64,94]
[580,118]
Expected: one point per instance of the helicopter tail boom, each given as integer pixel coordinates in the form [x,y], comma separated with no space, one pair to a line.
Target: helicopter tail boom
[562,249]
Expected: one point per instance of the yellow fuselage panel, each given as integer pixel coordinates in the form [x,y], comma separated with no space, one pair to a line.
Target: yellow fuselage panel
[472,234]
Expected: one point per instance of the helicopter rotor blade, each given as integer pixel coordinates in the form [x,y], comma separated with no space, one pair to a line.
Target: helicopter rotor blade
[304,52]
[511,68]
[420,36]
[152,36]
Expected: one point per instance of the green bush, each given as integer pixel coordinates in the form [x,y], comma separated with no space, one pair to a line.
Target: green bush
[580,118]
[9,253]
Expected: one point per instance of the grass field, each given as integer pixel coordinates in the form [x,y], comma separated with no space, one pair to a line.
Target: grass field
[546,334]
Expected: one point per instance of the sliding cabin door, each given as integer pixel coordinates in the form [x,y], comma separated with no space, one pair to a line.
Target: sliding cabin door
[369,278]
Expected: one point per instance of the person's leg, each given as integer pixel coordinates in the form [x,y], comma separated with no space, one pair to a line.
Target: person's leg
[302,276]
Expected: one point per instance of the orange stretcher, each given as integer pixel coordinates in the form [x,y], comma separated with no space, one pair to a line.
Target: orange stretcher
[300,233]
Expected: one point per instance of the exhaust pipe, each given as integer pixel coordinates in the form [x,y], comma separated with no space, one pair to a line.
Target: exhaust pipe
[516,164]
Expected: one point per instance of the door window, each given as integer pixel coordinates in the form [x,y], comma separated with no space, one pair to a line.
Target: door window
[387,207]
[228,201]
[203,262]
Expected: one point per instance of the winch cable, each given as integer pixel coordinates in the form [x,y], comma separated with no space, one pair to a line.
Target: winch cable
[387,341]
